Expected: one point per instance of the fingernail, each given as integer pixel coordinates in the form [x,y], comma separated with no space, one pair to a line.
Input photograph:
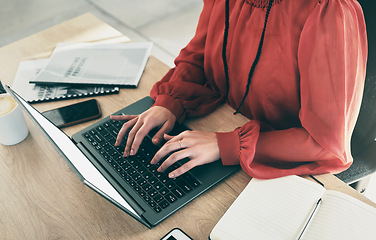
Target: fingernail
[125,154]
[171,175]
[155,140]
[159,169]
[132,152]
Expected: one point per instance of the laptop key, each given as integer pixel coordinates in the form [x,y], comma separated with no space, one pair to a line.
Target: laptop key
[137,165]
[112,141]
[108,148]
[142,171]
[106,156]
[98,138]
[157,209]
[142,193]
[152,192]
[163,204]
[112,131]
[158,185]
[104,144]
[163,191]
[147,198]
[147,187]
[136,188]
[188,178]
[113,152]
[164,179]
[170,184]
[132,183]
[184,186]
[131,171]
[119,169]
[131,160]
[148,175]
[171,198]
[177,192]
[108,137]
[123,173]
[126,166]
[127,178]
[107,124]
[136,176]
[117,124]
[158,198]
[152,203]
[142,182]
[152,180]
[100,129]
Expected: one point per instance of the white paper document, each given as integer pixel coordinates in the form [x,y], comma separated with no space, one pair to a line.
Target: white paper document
[27,70]
[119,64]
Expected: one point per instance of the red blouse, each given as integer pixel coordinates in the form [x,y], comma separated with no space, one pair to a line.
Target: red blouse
[305,92]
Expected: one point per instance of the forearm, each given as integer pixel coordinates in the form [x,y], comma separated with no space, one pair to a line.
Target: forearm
[279,152]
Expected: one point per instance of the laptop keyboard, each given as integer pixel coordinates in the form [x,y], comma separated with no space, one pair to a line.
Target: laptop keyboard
[157,189]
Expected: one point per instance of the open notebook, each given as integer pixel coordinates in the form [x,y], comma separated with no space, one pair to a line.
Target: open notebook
[295,208]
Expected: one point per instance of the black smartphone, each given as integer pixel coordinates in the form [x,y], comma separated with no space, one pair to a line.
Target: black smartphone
[74,113]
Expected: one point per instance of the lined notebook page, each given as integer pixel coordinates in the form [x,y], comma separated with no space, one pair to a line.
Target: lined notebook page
[342,217]
[269,209]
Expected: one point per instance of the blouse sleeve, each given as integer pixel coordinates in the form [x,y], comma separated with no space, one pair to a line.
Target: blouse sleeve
[184,90]
[332,57]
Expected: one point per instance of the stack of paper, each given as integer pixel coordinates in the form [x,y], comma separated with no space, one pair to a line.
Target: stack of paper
[82,69]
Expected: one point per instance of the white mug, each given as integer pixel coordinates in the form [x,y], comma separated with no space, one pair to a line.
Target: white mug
[13,128]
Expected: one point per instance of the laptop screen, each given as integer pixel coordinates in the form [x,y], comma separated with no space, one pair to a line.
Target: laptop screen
[76,159]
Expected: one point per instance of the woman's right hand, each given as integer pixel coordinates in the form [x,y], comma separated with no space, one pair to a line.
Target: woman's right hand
[140,125]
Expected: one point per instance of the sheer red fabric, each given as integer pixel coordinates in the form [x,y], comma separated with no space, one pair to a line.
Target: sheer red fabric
[305,93]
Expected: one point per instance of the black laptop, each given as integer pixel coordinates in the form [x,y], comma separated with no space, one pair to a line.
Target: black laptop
[131,183]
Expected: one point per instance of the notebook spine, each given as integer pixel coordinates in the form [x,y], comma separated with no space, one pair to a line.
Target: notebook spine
[71,96]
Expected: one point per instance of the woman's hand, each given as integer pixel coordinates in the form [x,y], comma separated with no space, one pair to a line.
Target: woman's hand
[199,147]
[140,125]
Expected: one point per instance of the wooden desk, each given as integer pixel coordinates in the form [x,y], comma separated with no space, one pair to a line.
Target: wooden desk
[41,198]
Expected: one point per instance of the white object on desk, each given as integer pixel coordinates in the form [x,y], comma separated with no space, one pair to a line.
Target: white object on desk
[28,70]
[120,64]
[13,128]
[280,209]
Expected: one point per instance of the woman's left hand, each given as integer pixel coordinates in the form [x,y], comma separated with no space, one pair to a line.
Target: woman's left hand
[199,147]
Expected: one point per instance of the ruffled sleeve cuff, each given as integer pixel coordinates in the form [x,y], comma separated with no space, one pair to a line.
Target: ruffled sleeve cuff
[171,104]
[239,146]
[229,147]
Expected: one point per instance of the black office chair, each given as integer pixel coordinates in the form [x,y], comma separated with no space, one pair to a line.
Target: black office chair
[363,144]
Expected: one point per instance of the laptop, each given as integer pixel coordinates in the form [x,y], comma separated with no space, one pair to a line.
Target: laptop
[131,183]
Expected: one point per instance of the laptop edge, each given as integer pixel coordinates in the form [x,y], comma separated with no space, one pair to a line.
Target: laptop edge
[77,161]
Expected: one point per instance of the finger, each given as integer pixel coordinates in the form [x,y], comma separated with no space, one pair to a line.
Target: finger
[183,135]
[131,136]
[167,137]
[167,127]
[139,137]
[184,168]
[167,148]
[123,131]
[122,117]
[173,158]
